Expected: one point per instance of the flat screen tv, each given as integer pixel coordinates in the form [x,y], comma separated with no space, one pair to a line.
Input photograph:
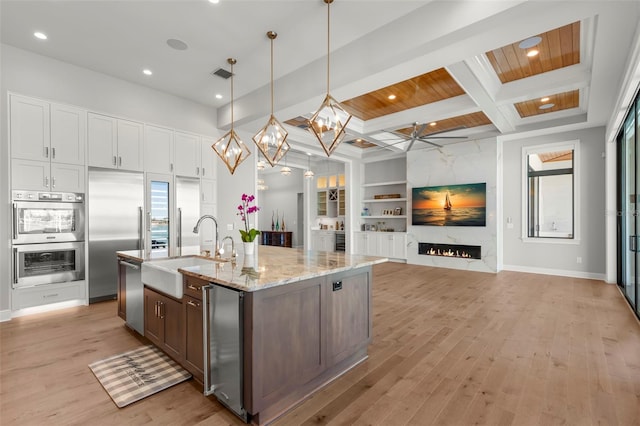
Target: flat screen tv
[450,205]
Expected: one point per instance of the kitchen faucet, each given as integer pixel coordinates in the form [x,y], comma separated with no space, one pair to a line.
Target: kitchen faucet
[216,252]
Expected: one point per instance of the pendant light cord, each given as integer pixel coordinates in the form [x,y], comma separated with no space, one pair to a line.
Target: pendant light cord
[328,41]
[271,76]
[231,95]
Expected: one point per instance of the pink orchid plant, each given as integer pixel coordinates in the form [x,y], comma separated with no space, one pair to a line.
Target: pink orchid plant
[244,210]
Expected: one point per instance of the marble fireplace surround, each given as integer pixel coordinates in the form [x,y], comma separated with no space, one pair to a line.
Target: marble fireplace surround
[459,163]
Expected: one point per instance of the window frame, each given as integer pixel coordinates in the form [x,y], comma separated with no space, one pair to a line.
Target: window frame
[536,149]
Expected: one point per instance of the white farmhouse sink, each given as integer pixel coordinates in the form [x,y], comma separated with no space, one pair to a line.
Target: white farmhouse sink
[163,274]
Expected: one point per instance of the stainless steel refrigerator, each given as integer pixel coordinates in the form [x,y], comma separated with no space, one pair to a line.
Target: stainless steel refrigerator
[115,202]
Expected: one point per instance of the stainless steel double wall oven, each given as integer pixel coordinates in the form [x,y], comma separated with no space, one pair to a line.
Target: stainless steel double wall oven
[48,237]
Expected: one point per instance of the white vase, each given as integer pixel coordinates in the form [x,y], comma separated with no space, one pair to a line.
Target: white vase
[249,248]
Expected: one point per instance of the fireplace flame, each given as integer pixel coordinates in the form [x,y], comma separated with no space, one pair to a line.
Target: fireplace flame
[448,253]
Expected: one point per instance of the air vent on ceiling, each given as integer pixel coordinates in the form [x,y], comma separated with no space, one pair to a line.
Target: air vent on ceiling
[220,72]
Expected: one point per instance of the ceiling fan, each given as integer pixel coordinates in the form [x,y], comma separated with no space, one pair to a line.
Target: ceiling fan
[417,135]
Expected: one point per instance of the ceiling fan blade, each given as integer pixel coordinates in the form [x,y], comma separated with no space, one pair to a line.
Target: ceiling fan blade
[425,138]
[418,132]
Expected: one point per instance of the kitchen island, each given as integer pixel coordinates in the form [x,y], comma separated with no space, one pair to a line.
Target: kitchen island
[276,326]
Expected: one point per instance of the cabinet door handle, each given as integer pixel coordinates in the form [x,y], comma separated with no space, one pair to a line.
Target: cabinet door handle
[119,161]
[171,167]
[53,153]
[155,309]
[53,182]
[46,152]
[192,303]
[46,181]
[197,171]
[114,161]
[192,287]
[161,310]
[203,171]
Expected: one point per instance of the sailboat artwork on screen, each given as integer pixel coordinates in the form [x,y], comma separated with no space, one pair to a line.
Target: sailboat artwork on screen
[450,205]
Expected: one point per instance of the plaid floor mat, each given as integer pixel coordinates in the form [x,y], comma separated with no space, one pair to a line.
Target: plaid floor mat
[136,374]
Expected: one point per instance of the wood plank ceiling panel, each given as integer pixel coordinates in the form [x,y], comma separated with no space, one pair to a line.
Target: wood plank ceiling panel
[550,157]
[424,89]
[561,101]
[559,48]
[473,119]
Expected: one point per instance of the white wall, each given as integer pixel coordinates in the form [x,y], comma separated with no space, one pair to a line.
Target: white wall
[230,190]
[282,196]
[546,257]
[42,77]
[466,162]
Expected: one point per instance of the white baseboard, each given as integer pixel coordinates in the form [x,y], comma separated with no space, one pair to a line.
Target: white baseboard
[5,315]
[558,272]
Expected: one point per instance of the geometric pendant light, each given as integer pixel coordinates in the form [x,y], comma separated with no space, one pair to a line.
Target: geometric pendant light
[329,122]
[272,138]
[230,147]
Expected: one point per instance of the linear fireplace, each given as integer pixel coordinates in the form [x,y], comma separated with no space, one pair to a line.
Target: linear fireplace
[450,250]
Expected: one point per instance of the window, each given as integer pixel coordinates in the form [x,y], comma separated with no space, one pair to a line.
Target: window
[550,201]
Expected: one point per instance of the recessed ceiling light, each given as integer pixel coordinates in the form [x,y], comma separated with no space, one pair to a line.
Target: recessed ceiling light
[545,99]
[546,106]
[432,124]
[214,1]
[533,52]
[39,35]
[391,97]
[530,42]
[358,140]
[218,96]
[177,44]
[147,71]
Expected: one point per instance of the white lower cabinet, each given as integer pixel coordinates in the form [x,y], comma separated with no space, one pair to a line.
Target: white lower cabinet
[49,293]
[385,244]
[323,241]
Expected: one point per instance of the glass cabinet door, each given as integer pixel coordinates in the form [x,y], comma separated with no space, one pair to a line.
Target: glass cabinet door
[159,212]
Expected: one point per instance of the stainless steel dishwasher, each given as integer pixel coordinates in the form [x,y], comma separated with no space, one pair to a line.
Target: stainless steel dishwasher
[222,329]
[134,295]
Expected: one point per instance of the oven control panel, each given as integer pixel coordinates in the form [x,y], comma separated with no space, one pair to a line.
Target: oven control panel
[62,197]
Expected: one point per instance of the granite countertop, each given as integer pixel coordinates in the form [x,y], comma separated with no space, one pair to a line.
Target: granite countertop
[274,266]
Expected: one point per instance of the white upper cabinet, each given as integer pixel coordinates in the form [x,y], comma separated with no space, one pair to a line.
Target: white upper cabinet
[68,134]
[130,145]
[102,137]
[47,145]
[158,150]
[209,159]
[114,143]
[187,154]
[30,132]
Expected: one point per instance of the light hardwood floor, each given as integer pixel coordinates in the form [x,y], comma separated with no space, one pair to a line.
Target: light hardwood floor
[449,347]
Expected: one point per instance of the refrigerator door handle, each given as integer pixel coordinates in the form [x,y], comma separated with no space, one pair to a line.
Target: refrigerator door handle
[140,229]
[179,237]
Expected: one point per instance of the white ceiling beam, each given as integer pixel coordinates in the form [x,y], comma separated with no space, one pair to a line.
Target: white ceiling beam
[471,84]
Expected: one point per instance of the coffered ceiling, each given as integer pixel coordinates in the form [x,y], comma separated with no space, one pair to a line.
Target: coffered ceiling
[457,66]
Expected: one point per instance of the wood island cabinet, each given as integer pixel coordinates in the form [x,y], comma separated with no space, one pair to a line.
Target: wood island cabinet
[164,323]
[298,336]
[193,327]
